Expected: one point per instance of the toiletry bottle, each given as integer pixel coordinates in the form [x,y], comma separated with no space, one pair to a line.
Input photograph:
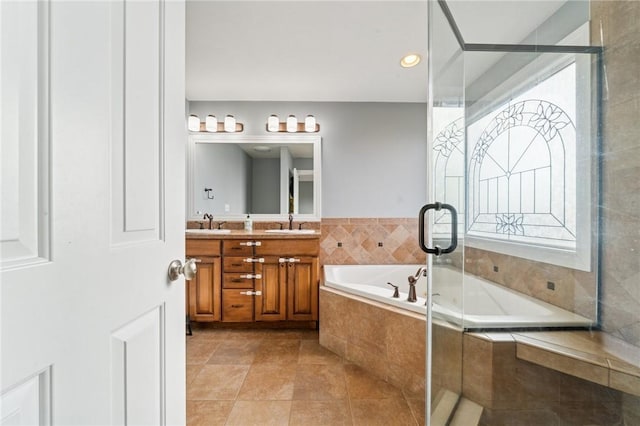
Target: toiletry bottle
[248,224]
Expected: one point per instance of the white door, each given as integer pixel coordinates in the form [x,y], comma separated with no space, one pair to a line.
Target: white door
[92,212]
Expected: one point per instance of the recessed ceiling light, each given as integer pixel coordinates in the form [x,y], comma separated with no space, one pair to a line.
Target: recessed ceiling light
[410,60]
[261,148]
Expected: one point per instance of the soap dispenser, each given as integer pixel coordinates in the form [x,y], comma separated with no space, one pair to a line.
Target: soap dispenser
[248,224]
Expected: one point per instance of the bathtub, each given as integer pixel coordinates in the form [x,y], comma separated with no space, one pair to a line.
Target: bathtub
[484,305]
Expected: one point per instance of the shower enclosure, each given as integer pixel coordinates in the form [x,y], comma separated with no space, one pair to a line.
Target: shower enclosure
[514,133]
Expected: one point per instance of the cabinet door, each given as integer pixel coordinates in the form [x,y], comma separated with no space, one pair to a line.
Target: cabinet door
[204,291]
[271,287]
[302,289]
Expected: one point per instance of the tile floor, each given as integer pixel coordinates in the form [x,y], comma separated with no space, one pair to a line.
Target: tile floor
[284,377]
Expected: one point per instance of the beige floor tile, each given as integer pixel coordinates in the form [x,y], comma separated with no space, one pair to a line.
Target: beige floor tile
[268,382]
[260,413]
[208,413]
[312,353]
[198,352]
[383,412]
[217,382]
[234,334]
[278,351]
[362,385]
[235,352]
[192,372]
[319,382]
[319,413]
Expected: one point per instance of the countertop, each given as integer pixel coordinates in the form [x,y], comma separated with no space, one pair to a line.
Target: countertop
[258,233]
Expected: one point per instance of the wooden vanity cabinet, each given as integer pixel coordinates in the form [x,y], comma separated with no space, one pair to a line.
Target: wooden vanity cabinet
[246,280]
[203,292]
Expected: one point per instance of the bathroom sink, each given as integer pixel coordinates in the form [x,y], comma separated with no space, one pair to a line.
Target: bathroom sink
[208,231]
[290,231]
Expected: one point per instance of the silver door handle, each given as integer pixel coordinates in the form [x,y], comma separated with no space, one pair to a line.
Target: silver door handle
[176,268]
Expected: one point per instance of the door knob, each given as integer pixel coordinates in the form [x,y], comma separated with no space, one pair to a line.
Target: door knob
[176,268]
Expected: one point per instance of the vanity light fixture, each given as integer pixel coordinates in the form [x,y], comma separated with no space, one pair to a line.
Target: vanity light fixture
[273,123]
[211,124]
[410,60]
[292,124]
[310,124]
[229,123]
[193,124]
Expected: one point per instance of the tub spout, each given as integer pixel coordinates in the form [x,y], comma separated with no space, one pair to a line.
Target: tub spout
[395,290]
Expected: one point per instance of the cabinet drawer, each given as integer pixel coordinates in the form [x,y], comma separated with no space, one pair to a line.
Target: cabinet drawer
[288,247]
[239,279]
[202,247]
[237,247]
[237,307]
[238,264]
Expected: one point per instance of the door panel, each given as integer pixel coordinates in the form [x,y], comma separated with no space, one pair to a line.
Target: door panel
[114,210]
[270,303]
[302,288]
[137,354]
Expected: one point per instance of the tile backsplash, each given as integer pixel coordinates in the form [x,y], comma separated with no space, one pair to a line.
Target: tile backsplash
[370,241]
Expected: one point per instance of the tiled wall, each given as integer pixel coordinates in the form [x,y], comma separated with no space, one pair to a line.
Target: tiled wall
[618,22]
[370,241]
[573,290]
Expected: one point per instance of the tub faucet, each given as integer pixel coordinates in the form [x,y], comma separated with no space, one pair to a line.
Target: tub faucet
[413,279]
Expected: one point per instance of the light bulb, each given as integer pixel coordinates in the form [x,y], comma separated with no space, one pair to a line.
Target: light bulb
[211,123]
[194,123]
[230,124]
[273,124]
[310,123]
[292,124]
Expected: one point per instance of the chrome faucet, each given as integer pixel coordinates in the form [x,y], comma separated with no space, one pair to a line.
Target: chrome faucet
[413,279]
[290,222]
[208,217]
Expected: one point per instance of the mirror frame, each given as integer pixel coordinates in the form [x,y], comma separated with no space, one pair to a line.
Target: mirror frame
[279,139]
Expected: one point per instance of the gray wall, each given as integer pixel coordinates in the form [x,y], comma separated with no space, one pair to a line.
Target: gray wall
[373,154]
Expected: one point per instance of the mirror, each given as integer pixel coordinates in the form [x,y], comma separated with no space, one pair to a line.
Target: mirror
[268,177]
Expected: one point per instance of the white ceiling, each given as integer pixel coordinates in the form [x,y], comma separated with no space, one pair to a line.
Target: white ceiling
[345,51]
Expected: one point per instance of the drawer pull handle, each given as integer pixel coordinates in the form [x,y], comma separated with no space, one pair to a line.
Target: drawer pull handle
[288,260]
[237,306]
[195,260]
[252,293]
[254,260]
[250,243]
[251,276]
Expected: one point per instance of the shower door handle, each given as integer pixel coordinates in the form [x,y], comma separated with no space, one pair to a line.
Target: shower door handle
[437,250]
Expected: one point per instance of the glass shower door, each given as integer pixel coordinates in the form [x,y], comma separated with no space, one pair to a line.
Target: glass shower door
[442,219]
